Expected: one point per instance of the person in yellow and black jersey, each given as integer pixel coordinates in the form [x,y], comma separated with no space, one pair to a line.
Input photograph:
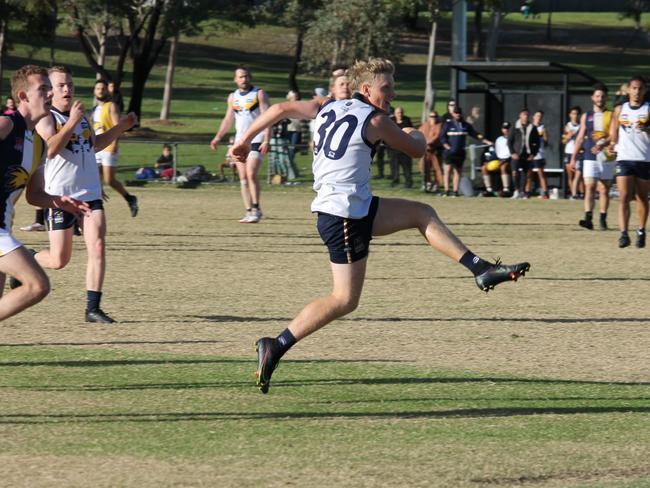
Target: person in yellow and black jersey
[106,114]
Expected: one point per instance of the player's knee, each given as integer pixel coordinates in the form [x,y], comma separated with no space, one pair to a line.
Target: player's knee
[347,304]
[243,181]
[38,287]
[59,261]
[97,249]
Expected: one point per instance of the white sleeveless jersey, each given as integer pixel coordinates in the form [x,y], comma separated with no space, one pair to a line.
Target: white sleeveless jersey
[246,107]
[342,157]
[633,143]
[74,169]
[570,146]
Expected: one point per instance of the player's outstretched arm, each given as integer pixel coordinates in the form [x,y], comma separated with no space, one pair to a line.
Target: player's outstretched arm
[104,140]
[408,140]
[275,113]
[36,196]
[225,126]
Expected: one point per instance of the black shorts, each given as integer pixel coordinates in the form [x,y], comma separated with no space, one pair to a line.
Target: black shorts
[454,159]
[639,169]
[539,163]
[347,240]
[255,146]
[521,164]
[57,219]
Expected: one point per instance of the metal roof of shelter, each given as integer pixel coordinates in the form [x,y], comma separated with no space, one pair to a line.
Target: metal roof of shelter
[509,74]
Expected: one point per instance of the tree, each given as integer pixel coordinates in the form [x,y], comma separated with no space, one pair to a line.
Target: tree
[297,14]
[477,43]
[429,91]
[144,28]
[634,9]
[346,30]
[497,13]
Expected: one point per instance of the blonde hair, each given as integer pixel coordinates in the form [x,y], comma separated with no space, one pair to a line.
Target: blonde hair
[20,79]
[366,71]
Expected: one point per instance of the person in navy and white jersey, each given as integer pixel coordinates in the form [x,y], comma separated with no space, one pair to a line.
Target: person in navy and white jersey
[630,140]
[245,105]
[349,216]
[21,151]
[71,169]
[573,171]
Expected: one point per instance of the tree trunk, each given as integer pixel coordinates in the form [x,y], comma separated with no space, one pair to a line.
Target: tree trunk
[429,93]
[169,79]
[548,21]
[493,39]
[477,45]
[3,29]
[293,74]
[55,16]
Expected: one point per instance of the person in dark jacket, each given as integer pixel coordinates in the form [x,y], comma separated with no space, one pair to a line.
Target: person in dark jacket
[523,142]
[453,137]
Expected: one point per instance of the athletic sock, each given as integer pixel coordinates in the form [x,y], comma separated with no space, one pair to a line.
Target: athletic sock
[589,216]
[640,231]
[40,216]
[603,217]
[128,197]
[256,206]
[475,264]
[285,340]
[92,300]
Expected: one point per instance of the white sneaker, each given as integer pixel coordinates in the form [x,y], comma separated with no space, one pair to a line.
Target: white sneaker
[254,218]
[515,195]
[245,219]
[35,227]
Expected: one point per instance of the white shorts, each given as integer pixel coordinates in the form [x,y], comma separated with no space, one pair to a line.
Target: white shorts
[8,242]
[105,158]
[598,170]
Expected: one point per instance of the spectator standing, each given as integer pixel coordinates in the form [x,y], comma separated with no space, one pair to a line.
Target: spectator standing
[523,143]
[454,138]
[399,159]
[116,96]
[573,170]
[10,107]
[539,161]
[294,137]
[431,160]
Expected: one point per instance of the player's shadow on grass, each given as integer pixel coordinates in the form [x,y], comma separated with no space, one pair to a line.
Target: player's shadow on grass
[148,417]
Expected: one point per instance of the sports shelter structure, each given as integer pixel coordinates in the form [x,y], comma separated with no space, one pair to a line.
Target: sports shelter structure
[502,88]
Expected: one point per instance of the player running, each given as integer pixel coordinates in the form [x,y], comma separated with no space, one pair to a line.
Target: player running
[348,215]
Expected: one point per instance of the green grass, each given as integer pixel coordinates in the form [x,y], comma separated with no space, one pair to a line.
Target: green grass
[71,401]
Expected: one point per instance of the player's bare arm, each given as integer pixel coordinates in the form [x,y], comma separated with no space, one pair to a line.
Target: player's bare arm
[57,141]
[580,139]
[36,196]
[264,106]
[295,110]
[105,139]
[408,140]
[613,132]
[225,126]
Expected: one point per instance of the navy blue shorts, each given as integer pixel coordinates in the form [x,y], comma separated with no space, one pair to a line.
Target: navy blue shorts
[57,219]
[539,163]
[347,240]
[639,169]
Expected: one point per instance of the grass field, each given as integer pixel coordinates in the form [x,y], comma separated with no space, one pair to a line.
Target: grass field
[542,383]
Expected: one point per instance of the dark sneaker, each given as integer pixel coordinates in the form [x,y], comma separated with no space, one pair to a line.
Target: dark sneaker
[267,360]
[98,316]
[498,273]
[640,239]
[587,224]
[133,204]
[623,241]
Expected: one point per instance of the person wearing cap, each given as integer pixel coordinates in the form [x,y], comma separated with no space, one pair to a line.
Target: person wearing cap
[454,138]
[502,154]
